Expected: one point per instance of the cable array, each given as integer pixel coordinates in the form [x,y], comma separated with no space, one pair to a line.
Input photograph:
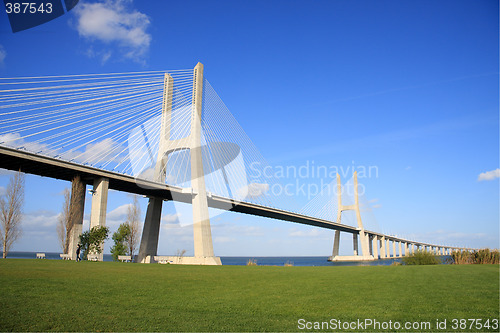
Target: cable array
[85,119]
[233,165]
[113,121]
[324,205]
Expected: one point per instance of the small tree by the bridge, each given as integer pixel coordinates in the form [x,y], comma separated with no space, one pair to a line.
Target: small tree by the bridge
[133,215]
[63,222]
[66,220]
[11,212]
[119,237]
[92,239]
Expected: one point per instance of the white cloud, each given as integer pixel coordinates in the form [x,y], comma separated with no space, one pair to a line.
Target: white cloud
[106,150]
[171,218]
[114,22]
[3,55]
[312,232]
[118,213]
[489,175]
[102,55]
[224,239]
[231,229]
[40,219]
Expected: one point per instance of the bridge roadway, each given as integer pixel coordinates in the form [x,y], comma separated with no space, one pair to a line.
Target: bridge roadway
[46,166]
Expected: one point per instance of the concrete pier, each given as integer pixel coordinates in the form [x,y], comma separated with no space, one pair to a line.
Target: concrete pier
[383,253]
[77,206]
[364,237]
[376,247]
[99,206]
[150,232]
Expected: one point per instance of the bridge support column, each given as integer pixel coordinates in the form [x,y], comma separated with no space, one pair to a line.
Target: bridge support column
[383,253]
[150,231]
[355,244]
[407,250]
[400,250]
[388,247]
[336,244]
[99,206]
[370,244]
[394,254]
[77,206]
[203,247]
[375,246]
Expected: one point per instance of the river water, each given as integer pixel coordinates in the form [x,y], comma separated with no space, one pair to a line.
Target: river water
[268,261]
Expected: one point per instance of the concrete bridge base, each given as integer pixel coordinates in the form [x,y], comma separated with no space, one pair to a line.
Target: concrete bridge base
[214,261]
[351,258]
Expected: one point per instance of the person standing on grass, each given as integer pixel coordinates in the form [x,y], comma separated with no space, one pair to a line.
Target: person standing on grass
[78,252]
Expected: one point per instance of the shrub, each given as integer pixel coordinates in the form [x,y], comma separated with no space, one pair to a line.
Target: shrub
[92,239]
[462,258]
[252,262]
[421,257]
[483,256]
[119,237]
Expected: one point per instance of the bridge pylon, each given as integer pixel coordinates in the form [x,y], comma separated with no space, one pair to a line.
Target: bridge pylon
[203,247]
[77,205]
[364,238]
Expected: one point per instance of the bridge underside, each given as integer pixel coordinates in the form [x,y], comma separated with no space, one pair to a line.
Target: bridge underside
[15,160]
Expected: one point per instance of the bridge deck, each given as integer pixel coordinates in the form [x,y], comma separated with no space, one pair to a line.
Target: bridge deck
[14,159]
[45,166]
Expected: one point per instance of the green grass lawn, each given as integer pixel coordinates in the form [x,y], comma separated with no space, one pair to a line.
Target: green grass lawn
[55,295]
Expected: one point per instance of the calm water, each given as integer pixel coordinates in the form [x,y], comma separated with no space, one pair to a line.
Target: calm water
[270,261]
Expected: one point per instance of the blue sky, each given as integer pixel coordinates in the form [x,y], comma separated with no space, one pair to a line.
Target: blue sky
[410,87]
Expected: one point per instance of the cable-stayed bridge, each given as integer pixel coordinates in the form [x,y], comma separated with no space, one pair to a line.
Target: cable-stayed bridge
[168,136]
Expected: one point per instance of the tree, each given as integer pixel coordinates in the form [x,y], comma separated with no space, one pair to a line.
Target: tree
[11,212]
[92,239]
[66,220]
[63,222]
[119,237]
[133,215]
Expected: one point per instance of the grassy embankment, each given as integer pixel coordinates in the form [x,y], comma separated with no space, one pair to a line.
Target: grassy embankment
[53,295]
